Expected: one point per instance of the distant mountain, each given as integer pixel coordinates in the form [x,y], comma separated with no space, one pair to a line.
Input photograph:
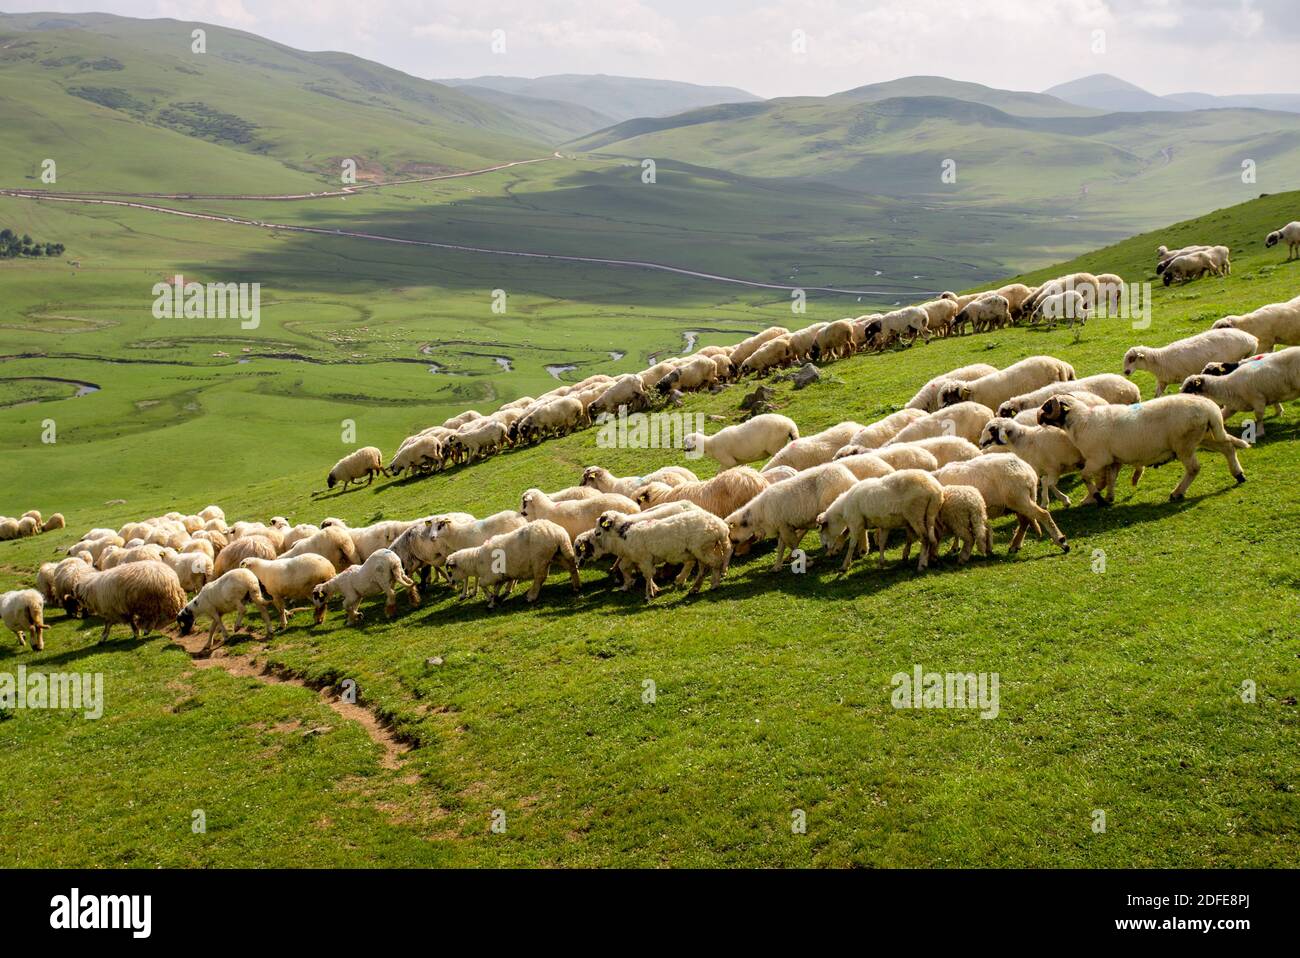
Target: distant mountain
[554,121]
[618,98]
[1008,101]
[1101,91]
[1287,102]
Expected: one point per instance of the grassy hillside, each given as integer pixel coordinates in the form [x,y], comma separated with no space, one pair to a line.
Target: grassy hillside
[1119,689]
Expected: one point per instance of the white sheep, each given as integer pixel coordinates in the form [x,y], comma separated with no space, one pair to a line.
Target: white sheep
[288,578]
[964,516]
[1271,324]
[927,397]
[442,535]
[905,456]
[722,495]
[602,480]
[366,539]
[526,553]
[1190,266]
[965,419]
[803,341]
[381,571]
[1109,387]
[554,418]
[144,595]
[194,569]
[1267,381]
[23,611]
[229,558]
[575,516]
[834,341]
[1008,484]
[362,463]
[334,542]
[945,449]
[1289,234]
[771,355]
[988,312]
[745,442]
[866,465]
[693,537]
[1186,357]
[906,499]
[996,388]
[789,509]
[230,593]
[878,332]
[882,430]
[808,451]
[697,373]
[1069,305]
[627,390]
[1048,449]
[1145,434]
[747,347]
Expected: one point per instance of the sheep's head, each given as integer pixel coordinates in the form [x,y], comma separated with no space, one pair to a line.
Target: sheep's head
[740,526]
[1273,238]
[947,294]
[1007,410]
[1194,385]
[1056,411]
[1227,322]
[668,382]
[1132,358]
[185,620]
[584,547]
[832,532]
[279,522]
[1169,277]
[693,442]
[845,451]
[994,434]
[528,501]
[1162,250]
[606,521]
[1218,369]
[590,475]
[954,393]
[330,481]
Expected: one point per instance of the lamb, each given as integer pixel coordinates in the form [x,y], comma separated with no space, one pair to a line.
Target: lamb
[885,429]
[575,516]
[835,341]
[722,495]
[1186,357]
[991,311]
[747,347]
[1048,449]
[444,534]
[333,542]
[1269,381]
[698,373]
[1271,324]
[23,611]
[603,480]
[697,539]
[908,499]
[379,573]
[996,388]
[1147,434]
[525,553]
[1008,484]
[745,442]
[927,398]
[290,577]
[808,451]
[965,518]
[965,419]
[1068,305]
[1290,234]
[789,509]
[1192,266]
[55,521]
[250,546]
[363,463]
[772,354]
[1107,386]
[193,569]
[144,595]
[230,593]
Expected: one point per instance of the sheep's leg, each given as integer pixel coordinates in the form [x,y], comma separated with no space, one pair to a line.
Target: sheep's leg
[353,610]
[1045,517]
[849,546]
[1112,474]
[104,636]
[882,537]
[1021,527]
[1261,409]
[413,594]
[648,573]
[780,549]
[919,531]
[1191,468]
[284,615]
[967,547]
[536,588]
[239,617]
[390,602]
[1160,387]
[22,639]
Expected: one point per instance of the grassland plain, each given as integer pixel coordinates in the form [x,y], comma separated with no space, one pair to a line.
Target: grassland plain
[1120,689]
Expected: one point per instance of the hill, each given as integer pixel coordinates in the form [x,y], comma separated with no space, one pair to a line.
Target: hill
[1014,102]
[1102,91]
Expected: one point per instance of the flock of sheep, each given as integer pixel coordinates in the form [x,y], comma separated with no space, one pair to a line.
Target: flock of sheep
[29,524]
[971,445]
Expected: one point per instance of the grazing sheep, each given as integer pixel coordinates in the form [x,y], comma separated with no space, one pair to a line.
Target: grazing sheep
[367,539]
[965,518]
[927,398]
[789,509]
[442,535]
[1271,324]
[722,495]
[230,593]
[1186,357]
[55,521]
[23,611]
[1190,266]
[771,355]
[291,577]
[602,480]
[477,440]
[1268,381]
[1146,434]
[143,595]
[1111,289]
[296,534]
[694,538]
[834,341]
[945,449]
[525,553]
[1085,284]
[866,465]
[1008,484]
[907,499]
[250,546]
[747,347]
[883,330]
[988,312]
[650,377]
[1290,234]
[808,451]
[779,474]
[28,527]
[940,315]
[1106,386]
[555,418]
[45,581]
[333,542]
[1069,305]
[803,341]
[469,415]
[363,463]
[906,456]
[8,529]
[1016,295]
[574,516]
[193,569]
[1165,255]
[885,429]
[996,388]
[698,373]
[1046,448]
[66,576]
[745,442]
[381,571]
[420,454]
[965,419]
[627,390]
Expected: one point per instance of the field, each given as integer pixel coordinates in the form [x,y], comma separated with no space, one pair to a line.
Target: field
[1120,689]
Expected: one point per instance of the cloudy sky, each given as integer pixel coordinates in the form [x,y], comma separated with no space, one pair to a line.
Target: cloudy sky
[1167,46]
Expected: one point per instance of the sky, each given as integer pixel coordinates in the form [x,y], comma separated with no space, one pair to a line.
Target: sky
[784,47]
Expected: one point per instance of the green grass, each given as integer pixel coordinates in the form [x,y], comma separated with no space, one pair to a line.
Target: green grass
[1119,689]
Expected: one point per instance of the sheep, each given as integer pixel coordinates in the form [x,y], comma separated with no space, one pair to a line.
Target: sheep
[442,535]
[747,347]
[722,495]
[780,474]
[1186,357]
[23,611]
[573,493]
[1016,295]
[963,516]
[1111,290]
[419,454]
[723,367]
[363,463]
[940,314]
[808,451]
[1046,448]
[1008,484]
[1085,284]
[746,442]
[525,553]
[651,377]
[1107,386]
[908,499]
[1146,434]
[1068,305]
[882,430]
[789,509]
[66,576]
[1271,324]
[698,373]
[296,534]
[379,573]
[8,529]
[695,538]
[965,419]
[1268,381]
[144,595]
[367,539]
[193,569]
[906,456]
[555,418]
[627,390]
[333,542]
[45,581]
[772,354]
[927,397]
[230,593]
[290,577]
[212,512]
[216,539]
[945,449]
[989,312]
[866,465]
[1290,234]
[1192,266]
[28,527]
[602,480]
[477,440]
[878,332]
[835,341]
[241,549]
[55,521]
[1165,255]
[469,415]
[575,516]
[804,341]
[996,388]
